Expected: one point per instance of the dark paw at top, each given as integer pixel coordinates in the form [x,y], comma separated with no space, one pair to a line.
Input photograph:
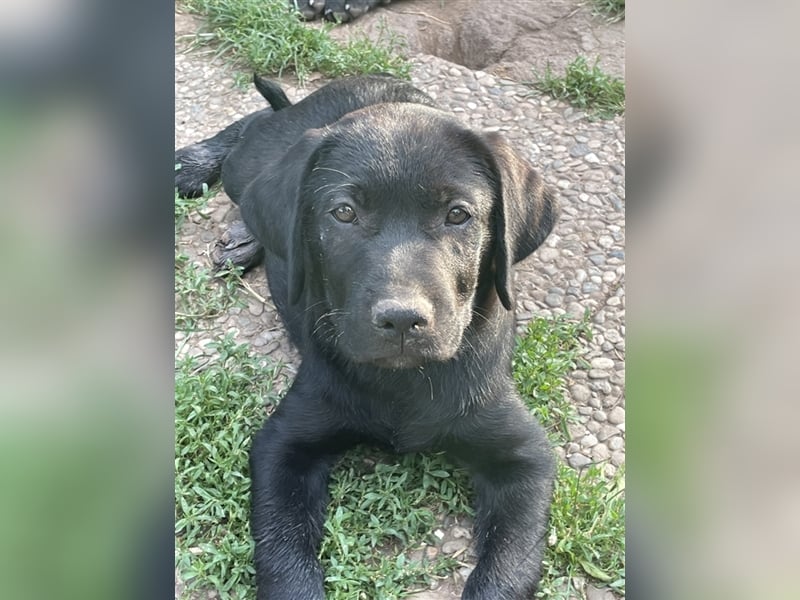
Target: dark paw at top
[310,9]
[340,11]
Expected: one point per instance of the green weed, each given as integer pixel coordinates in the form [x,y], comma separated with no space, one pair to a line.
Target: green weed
[268,37]
[587,532]
[611,10]
[384,507]
[201,295]
[219,404]
[585,87]
[547,352]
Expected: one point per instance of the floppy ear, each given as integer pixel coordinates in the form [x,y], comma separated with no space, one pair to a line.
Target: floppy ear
[525,211]
[273,208]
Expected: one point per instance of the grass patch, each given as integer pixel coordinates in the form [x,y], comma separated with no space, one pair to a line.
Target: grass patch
[185,206]
[611,10]
[587,532]
[587,526]
[383,508]
[545,355]
[200,295]
[267,36]
[585,87]
[219,403]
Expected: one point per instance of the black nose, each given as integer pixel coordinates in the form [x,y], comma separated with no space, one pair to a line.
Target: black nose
[393,317]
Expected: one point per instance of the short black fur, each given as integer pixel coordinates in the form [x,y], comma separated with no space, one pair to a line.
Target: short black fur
[389,233]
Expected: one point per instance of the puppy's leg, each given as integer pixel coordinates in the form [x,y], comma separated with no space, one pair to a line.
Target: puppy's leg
[512,467]
[237,247]
[290,461]
[201,163]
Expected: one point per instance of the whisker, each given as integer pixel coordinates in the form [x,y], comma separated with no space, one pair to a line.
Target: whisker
[334,186]
[476,312]
[332,170]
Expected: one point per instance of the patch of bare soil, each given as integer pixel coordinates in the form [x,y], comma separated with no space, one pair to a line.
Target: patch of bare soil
[506,38]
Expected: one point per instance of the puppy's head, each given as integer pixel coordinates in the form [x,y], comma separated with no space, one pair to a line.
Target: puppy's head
[405,218]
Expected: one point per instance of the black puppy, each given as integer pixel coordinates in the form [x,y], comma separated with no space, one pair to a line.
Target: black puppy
[390,233]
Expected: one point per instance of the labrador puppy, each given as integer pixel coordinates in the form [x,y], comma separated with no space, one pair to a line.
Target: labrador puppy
[389,232]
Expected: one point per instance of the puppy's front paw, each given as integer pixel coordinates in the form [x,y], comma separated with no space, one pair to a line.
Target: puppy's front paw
[343,11]
[310,9]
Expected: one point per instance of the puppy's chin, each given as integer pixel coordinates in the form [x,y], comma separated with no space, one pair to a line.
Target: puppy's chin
[411,357]
[400,361]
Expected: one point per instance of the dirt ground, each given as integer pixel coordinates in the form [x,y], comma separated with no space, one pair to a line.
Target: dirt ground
[505,38]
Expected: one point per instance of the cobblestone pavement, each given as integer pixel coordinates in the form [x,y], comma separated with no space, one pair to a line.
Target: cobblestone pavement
[581,266]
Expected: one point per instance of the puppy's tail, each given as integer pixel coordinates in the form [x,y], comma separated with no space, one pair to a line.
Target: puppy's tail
[199,165]
[272,93]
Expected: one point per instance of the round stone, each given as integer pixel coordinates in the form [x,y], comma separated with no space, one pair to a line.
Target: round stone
[605,241]
[590,288]
[602,362]
[600,453]
[617,415]
[578,461]
[576,430]
[456,545]
[255,307]
[607,431]
[591,158]
[580,393]
[547,254]
[615,443]
[579,150]
[553,300]
[575,310]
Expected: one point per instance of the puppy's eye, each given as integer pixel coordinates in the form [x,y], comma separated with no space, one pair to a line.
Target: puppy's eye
[457,216]
[344,213]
